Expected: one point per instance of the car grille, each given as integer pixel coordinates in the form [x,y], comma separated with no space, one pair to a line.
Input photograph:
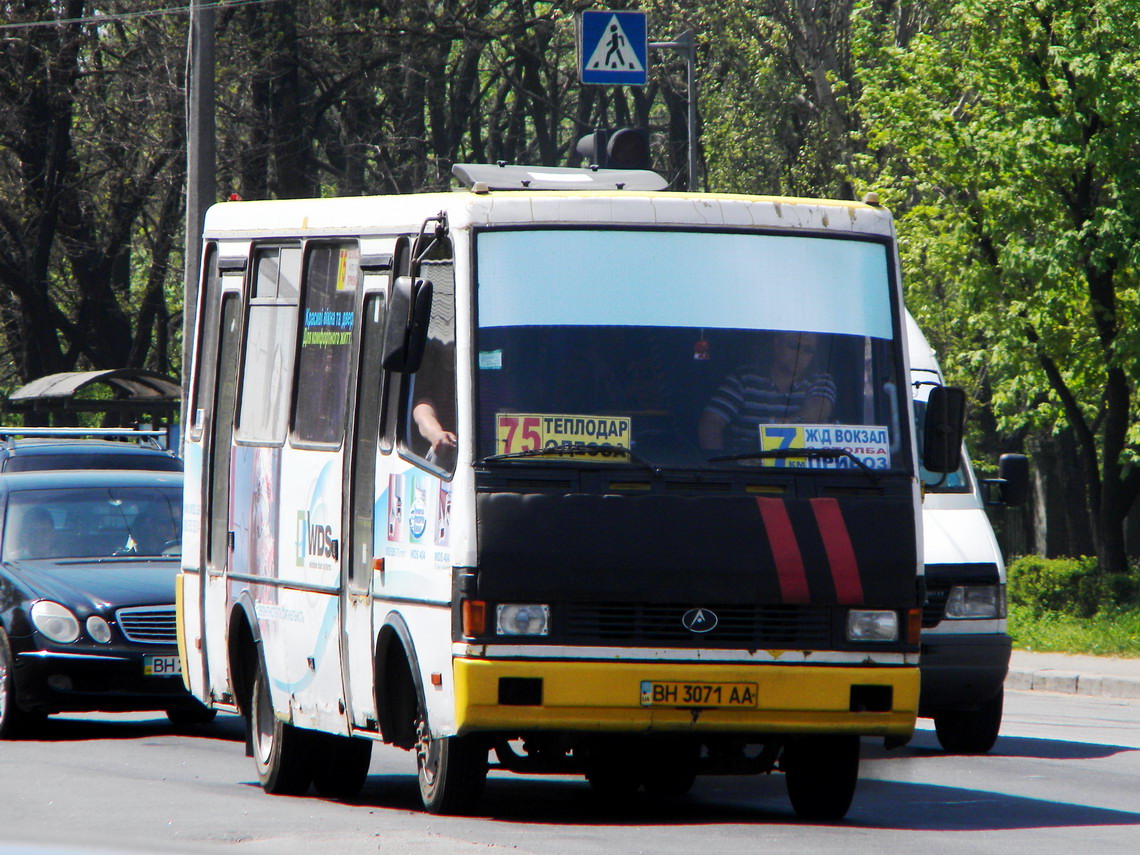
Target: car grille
[752,627]
[148,624]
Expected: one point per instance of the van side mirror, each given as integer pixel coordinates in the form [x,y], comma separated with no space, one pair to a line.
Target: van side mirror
[945,426]
[1013,479]
[406,326]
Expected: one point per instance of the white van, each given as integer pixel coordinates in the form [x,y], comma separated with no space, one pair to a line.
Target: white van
[965,646]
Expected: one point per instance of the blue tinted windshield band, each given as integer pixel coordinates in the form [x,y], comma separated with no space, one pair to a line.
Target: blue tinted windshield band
[716,280]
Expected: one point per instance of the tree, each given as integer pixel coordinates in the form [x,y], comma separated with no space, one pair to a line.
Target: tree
[1008,140]
[90,151]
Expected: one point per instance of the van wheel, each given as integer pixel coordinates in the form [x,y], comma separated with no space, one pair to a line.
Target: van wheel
[342,765]
[452,770]
[821,774]
[283,752]
[970,731]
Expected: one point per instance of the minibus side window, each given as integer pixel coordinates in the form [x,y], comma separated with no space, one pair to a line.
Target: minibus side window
[429,430]
[332,275]
[270,339]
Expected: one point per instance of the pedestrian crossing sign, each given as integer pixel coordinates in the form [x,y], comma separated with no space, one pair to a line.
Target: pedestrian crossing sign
[613,48]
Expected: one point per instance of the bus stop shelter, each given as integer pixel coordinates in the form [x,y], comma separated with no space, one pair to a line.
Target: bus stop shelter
[126,397]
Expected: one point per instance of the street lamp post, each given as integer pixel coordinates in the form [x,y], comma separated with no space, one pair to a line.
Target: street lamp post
[686,44]
[200,167]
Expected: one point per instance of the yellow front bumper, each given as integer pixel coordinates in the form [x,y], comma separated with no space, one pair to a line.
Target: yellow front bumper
[606,696]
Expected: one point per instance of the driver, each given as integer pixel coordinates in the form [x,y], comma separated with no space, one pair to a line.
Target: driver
[152,532]
[784,388]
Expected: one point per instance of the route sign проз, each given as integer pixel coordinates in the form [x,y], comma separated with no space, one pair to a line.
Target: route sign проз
[613,48]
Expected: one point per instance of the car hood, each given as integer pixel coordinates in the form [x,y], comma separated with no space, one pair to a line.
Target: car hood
[117,583]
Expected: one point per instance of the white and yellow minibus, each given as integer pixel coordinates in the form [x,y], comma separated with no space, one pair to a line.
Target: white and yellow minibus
[560,472]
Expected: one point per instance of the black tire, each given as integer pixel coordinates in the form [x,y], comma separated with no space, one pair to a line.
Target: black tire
[341,766]
[14,722]
[186,718]
[451,770]
[615,779]
[283,753]
[821,773]
[970,731]
[670,769]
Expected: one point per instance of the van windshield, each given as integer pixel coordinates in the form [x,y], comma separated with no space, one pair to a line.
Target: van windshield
[686,348]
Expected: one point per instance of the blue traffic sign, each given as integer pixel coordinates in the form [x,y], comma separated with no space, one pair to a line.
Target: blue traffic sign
[613,48]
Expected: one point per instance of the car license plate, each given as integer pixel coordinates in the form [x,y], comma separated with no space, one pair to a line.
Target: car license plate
[675,694]
[162,666]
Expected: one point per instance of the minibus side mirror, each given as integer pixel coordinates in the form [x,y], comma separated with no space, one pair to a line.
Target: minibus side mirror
[945,425]
[406,326]
[1013,479]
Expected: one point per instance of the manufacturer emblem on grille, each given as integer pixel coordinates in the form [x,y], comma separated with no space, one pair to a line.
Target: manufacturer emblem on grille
[699,620]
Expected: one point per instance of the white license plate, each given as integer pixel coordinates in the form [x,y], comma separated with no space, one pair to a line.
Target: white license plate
[162,666]
[706,695]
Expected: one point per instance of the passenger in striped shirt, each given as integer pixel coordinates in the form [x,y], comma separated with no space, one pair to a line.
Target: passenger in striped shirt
[783,390]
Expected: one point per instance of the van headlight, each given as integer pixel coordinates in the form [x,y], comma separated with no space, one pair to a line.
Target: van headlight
[516,619]
[976,602]
[55,621]
[872,625]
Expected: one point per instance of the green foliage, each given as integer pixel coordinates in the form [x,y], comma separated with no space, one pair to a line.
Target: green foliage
[1114,632]
[1005,134]
[1067,605]
[1071,587]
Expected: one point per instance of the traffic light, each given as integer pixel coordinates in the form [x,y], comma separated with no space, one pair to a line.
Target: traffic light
[625,148]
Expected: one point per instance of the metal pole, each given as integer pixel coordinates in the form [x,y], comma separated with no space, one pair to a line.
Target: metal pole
[200,169]
[686,43]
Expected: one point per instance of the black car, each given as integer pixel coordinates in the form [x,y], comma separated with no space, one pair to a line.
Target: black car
[87,566]
[27,449]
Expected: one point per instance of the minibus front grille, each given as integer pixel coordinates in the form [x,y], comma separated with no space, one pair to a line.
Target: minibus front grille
[751,627]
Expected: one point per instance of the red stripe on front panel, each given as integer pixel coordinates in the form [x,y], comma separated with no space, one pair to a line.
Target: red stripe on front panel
[840,552]
[785,550]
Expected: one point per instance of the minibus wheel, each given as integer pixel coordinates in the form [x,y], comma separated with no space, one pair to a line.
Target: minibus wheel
[282,752]
[670,768]
[452,770]
[821,773]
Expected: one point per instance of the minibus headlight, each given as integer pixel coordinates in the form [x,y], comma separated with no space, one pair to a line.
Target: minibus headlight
[55,621]
[527,619]
[976,601]
[872,625]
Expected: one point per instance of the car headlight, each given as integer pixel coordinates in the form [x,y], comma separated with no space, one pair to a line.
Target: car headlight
[55,621]
[976,601]
[872,625]
[99,629]
[514,619]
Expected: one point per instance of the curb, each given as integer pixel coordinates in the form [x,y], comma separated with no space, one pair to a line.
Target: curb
[1073,683]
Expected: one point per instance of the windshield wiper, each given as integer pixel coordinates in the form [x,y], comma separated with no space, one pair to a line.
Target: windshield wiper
[785,453]
[576,450]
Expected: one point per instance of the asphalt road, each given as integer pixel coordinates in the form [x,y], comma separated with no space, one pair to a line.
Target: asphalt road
[1064,777]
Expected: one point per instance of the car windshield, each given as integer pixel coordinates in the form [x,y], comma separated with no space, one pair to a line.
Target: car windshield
[92,522]
[751,345]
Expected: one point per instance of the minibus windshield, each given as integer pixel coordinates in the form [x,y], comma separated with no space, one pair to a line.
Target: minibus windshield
[686,348]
